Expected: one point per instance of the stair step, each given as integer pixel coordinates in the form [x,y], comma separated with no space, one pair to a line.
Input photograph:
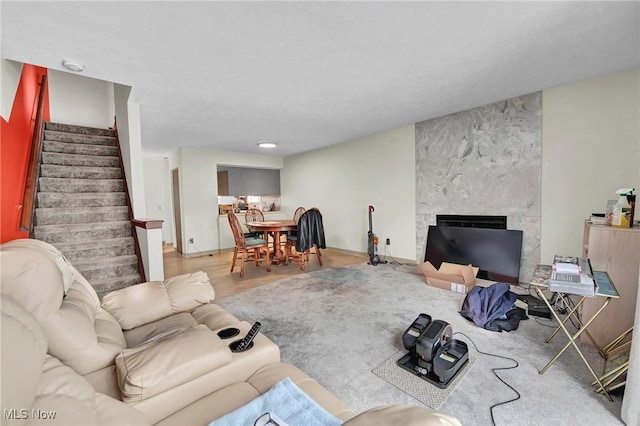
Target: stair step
[81,199]
[80,149]
[107,285]
[80,185]
[109,267]
[79,138]
[82,205]
[112,247]
[80,172]
[79,160]
[55,234]
[69,215]
[70,128]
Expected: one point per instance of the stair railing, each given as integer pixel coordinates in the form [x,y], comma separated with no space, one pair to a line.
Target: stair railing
[33,167]
[134,232]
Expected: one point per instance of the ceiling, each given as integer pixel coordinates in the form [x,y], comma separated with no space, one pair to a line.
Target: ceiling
[225,75]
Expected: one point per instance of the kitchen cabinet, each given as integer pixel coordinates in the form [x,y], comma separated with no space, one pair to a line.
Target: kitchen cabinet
[616,251]
[223,183]
[242,181]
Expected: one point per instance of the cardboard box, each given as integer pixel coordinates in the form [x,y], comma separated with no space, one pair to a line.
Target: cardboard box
[450,276]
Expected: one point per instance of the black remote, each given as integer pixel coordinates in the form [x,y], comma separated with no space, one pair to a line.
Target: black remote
[246,341]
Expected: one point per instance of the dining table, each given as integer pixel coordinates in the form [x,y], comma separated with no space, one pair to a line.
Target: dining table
[276,227]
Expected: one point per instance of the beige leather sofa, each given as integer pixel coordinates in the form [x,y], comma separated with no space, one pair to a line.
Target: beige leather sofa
[148,354]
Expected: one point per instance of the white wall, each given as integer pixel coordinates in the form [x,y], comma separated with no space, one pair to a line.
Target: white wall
[10,72]
[197,169]
[158,193]
[590,148]
[79,100]
[343,180]
[129,135]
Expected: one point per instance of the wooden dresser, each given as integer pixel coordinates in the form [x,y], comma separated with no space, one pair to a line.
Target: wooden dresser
[616,251]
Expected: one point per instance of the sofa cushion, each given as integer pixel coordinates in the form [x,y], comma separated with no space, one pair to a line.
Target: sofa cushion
[147,302]
[212,406]
[22,353]
[231,397]
[80,333]
[40,389]
[287,403]
[269,375]
[406,415]
[65,398]
[157,329]
[155,367]
[214,317]
[111,411]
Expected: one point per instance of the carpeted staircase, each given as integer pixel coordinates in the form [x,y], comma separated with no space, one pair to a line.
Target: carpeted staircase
[82,205]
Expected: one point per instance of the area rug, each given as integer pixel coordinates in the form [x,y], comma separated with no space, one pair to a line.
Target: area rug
[338,324]
[425,392]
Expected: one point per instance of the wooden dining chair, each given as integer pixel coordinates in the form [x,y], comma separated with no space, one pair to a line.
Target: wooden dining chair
[298,213]
[249,248]
[310,235]
[292,236]
[253,215]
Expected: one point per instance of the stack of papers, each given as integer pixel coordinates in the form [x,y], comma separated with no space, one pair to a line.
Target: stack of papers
[567,276]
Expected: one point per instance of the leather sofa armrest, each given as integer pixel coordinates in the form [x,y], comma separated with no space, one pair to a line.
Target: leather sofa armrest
[143,303]
[152,368]
[406,415]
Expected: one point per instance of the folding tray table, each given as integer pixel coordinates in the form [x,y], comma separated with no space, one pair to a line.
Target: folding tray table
[606,290]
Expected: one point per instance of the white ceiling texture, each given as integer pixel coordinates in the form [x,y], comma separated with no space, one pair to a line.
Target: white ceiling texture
[225,75]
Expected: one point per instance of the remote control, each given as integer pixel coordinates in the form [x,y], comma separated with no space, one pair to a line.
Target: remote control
[246,341]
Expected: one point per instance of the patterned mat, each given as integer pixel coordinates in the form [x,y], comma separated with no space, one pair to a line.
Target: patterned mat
[411,384]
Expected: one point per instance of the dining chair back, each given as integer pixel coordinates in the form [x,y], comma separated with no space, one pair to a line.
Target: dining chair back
[292,236]
[253,215]
[249,248]
[298,213]
[310,235]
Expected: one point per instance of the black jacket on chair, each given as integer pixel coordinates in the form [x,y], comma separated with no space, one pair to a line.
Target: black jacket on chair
[310,231]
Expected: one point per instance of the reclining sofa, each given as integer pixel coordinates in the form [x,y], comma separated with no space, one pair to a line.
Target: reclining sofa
[146,354]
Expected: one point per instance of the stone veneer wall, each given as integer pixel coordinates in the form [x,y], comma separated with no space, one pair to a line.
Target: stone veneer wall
[484,161]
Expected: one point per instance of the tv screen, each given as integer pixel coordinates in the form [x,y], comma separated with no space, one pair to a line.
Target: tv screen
[495,251]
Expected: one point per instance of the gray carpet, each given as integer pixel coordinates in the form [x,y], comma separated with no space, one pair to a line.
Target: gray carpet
[339,324]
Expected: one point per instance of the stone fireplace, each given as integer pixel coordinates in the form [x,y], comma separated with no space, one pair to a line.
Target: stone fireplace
[484,161]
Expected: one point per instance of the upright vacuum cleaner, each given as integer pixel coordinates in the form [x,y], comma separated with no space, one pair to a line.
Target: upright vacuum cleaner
[372,248]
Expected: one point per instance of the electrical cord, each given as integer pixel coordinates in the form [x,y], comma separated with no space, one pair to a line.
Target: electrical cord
[195,247]
[494,370]
[393,261]
[551,322]
[563,305]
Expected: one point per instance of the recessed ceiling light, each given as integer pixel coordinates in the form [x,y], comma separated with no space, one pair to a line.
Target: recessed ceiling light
[267,144]
[73,65]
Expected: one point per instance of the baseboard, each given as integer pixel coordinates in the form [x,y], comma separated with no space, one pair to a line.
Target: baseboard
[201,253]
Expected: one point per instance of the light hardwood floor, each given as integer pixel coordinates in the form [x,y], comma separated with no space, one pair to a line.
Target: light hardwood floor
[225,283]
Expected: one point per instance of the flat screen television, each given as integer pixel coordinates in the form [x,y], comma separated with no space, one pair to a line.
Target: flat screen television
[495,251]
